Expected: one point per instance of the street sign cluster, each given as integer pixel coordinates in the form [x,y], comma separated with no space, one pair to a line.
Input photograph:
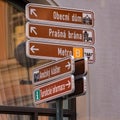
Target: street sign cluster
[62,78]
[55,26]
[57,34]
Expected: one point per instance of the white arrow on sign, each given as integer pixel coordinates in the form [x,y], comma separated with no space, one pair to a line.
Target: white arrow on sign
[68,84]
[33,30]
[33,12]
[33,49]
[68,65]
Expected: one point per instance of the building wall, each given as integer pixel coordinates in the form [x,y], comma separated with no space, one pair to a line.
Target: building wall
[103,96]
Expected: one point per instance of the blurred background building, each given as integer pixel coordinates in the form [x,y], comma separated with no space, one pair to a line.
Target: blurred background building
[15,80]
[103,92]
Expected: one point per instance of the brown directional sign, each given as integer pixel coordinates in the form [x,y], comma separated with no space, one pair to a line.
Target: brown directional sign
[60,68]
[53,70]
[54,51]
[54,89]
[56,15]
[57,34]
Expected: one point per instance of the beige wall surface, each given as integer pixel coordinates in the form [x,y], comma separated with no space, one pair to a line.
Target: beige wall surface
[103,95]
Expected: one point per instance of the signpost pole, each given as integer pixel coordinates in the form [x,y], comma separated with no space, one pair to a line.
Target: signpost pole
[59,109]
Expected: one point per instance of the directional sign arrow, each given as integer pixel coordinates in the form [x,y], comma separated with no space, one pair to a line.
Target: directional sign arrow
[33,49]
[33,30]
[68,65]
[68,84]
[33,12]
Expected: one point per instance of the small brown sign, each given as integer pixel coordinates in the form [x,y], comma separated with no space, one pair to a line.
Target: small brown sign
[54,89]
[53,70]
[57,34]
[56,15]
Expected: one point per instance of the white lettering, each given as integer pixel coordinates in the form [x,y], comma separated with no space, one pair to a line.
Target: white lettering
[61,17]
[74,35]
[57,34]
[64,52]
[46,92]
[55,70]
[76,18]
[58,88]
[44,74]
